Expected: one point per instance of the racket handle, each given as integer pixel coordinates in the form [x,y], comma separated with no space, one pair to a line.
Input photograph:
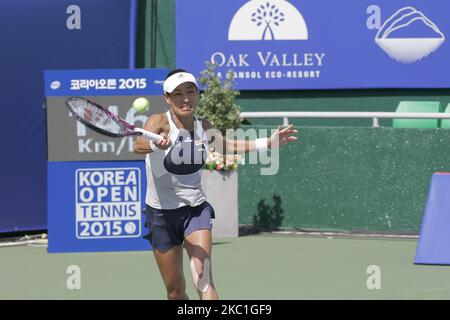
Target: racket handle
[149,135]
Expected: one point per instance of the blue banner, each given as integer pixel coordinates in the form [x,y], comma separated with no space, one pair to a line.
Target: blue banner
[106,82]
[317,44]
[96,206]
[37,36]
[433,246]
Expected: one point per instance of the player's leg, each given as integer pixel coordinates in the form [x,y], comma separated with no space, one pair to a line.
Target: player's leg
[170,264]
[167,249]
[198,246]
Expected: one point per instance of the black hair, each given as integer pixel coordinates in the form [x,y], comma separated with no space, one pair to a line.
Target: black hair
[175,71]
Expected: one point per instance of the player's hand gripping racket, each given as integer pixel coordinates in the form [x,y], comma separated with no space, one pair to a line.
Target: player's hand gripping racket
[102,121]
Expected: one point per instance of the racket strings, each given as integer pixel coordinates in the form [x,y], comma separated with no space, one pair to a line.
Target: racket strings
[97,117]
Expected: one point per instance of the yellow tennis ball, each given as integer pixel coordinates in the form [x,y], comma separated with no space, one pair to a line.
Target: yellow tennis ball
[140,104]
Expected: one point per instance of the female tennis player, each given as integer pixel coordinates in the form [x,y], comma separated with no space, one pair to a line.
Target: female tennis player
[177,212]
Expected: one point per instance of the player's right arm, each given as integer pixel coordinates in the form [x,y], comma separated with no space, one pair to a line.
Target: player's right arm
[157,123]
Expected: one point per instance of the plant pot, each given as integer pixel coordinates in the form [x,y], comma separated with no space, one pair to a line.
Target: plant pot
[221,189]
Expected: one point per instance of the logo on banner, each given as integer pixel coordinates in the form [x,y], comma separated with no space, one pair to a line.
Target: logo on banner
[409,36]
[55,85]
[108,203]
[268,20]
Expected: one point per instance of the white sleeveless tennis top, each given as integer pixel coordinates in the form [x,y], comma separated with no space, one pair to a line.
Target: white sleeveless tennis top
[174,175]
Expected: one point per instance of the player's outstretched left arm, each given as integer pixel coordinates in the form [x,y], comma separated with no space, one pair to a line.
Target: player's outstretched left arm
[279,138]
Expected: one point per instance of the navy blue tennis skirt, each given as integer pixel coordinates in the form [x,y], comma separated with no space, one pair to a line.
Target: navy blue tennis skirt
[168,228]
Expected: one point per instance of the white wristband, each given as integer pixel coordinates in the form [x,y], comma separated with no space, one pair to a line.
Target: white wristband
[261,144]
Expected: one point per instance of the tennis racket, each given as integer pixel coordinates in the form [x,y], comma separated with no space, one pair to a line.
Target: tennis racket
[99,119]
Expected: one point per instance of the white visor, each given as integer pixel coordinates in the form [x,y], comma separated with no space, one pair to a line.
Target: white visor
[176,79]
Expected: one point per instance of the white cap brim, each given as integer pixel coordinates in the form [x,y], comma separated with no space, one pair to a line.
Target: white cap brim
[172,82]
